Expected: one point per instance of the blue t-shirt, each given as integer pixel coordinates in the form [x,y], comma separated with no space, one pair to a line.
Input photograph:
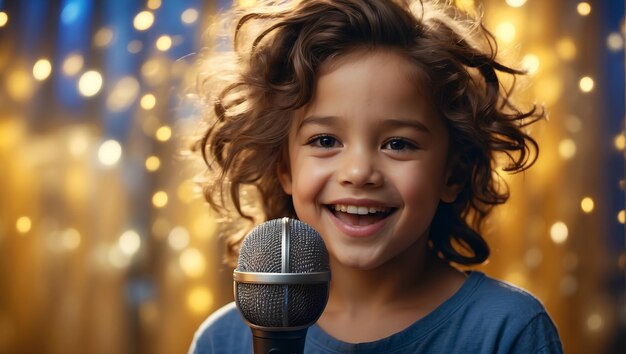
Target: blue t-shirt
[484,316]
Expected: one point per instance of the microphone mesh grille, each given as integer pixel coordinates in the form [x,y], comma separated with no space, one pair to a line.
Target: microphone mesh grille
[262,304]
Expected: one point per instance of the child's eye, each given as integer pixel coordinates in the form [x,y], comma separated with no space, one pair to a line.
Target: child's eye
[399,144]
[324,141]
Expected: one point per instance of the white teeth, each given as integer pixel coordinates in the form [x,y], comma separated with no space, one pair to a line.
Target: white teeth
[359,210]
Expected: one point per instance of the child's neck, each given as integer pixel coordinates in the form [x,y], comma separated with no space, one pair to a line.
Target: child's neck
[366,305]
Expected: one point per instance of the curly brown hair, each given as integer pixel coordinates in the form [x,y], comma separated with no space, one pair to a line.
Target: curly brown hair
[271,71]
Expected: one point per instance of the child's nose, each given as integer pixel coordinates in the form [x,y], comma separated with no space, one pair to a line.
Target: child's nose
[359,169]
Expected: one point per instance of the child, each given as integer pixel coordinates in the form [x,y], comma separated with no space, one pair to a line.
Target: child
[377,123]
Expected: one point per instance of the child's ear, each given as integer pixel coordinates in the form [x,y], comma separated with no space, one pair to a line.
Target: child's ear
[284,176]
[454,180]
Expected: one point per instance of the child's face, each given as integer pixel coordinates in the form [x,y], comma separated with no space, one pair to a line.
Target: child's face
[368,142]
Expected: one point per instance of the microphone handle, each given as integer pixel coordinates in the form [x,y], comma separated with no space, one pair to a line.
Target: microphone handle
[278,342]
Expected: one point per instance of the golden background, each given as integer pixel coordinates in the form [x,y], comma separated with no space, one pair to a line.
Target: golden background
[105,246]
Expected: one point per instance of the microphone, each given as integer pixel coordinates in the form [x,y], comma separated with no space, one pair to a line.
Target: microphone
[281,284]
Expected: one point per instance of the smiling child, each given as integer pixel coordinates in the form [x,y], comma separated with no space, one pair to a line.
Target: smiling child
[378,123]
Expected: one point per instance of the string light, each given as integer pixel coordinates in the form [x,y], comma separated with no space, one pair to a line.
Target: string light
[143,20]
[159,199]
[515,3]
[164,133]
[530,63]
[153,163]
[42,69]
[129,242]
[189,16]
[90,83]
[148,101]
[586,84]
[23,224]
[4,18]
[178,238]
[583,8]
[621,216]
[110,152]
[587,204]
[153,4]
[164,43]
[615,42]
[567,148]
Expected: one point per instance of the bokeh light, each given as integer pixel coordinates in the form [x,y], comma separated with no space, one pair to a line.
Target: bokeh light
[583,8]
[567,148]
[192,262]
[189,16]
[148,101]
[19,85]
[123,94]
[90,83]
[530,63]
[129,242]
[23,224]
[587,204]
[200,300]
[515,3]
[153,4]
[164,133]
[153,163]
[559,232]
[73,64]
[505,32]
[42,69]
[159,199]
[110,152]
[566,48]
[4,18]
[178,238]
[164,43]
[586,84]
[143,20]
[103,37]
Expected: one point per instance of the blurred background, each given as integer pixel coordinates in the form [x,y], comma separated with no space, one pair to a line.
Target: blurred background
[107,247]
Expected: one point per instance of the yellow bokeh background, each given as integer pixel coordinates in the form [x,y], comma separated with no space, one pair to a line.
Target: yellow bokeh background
[106,245]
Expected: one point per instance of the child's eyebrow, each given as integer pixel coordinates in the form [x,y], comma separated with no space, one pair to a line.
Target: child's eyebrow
[390,123]
[317,120]
[403,123]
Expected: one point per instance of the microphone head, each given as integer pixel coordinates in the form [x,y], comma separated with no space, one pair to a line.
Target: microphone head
[282,247]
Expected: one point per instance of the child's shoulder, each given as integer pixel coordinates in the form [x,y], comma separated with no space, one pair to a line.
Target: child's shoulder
[222,332]
[499,295]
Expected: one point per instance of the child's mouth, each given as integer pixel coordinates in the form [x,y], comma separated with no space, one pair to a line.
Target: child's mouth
[359,215]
